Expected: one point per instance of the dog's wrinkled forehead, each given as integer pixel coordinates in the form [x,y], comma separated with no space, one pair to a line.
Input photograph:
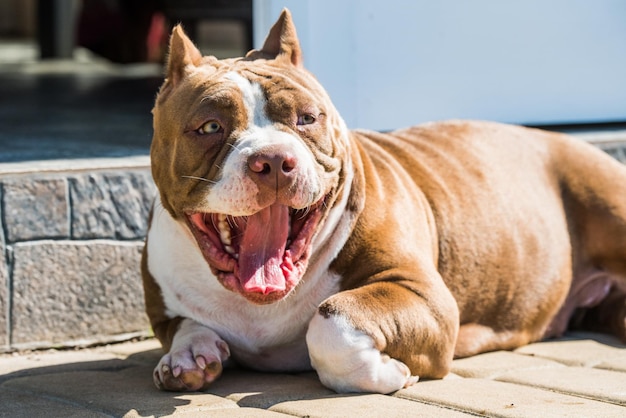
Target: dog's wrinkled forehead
[252,96]
[272,79]
[269,95]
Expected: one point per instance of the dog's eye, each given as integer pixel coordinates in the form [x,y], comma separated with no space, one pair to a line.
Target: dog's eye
[211,127]
[306,119]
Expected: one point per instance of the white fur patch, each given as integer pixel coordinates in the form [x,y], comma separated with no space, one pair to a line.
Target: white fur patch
[235,192]
[190,290]
[347,361]
[253,99]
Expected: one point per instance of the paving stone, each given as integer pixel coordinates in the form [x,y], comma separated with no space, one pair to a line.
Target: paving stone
[233,413]
[604,339]
[75,291]
[617,364]
[586,353]
[117,392]
[492,398]
[493,364]
[111,205]
[363,406]
[603,385]
[116,380]
[18,404]
[110,357]
[35,208]
[148,358]
[49,361]
[262,390]
[147,352]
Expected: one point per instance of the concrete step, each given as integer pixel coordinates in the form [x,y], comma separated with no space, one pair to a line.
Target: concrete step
[72,234]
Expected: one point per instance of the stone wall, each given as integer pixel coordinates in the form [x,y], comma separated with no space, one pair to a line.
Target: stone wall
[72,244]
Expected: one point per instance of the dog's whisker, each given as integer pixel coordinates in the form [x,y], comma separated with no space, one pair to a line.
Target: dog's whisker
[198,178]
[231,222]
[233,146]
[304,212]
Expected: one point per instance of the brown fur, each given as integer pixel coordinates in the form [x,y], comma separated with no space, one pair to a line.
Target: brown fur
[467,236]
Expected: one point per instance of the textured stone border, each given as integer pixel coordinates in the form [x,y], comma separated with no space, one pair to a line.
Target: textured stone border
[72,243]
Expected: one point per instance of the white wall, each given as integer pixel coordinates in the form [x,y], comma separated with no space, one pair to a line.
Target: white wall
[393,63]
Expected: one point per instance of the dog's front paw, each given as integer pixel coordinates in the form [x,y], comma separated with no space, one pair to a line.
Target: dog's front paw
[194,361]
[347,361]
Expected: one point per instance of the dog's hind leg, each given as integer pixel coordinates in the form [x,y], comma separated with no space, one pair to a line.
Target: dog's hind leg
[594,194]
[608,316]
[476,338]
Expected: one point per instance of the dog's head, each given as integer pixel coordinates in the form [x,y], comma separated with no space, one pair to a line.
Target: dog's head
[249,154]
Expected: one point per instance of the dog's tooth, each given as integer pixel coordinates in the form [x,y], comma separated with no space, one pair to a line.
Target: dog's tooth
[224,229]
[230,250]
[225,239]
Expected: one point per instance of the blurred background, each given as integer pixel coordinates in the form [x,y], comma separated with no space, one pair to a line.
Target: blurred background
[393,63]
[78,77]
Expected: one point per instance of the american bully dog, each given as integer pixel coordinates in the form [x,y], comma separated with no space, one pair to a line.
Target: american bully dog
[282,241]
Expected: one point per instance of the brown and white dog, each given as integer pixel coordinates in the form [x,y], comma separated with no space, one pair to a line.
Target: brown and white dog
[283,241]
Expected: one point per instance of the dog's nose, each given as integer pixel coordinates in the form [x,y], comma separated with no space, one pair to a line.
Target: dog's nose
[273,169]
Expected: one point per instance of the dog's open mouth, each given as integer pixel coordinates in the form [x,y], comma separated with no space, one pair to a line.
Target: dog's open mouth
[261,256]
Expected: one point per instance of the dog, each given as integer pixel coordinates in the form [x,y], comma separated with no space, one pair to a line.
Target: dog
[281,241]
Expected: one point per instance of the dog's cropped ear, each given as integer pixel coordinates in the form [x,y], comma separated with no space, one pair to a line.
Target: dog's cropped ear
[281,42]
[182,53]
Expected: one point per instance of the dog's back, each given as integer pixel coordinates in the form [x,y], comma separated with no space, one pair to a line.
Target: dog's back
[551,199]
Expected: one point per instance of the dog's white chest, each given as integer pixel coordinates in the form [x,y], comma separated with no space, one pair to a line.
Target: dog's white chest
[261,336]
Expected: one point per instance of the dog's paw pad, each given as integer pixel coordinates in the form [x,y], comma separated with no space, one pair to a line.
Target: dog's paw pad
[195,377]
[194,361]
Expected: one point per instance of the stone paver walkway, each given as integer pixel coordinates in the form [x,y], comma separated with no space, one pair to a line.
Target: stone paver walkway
[582,375]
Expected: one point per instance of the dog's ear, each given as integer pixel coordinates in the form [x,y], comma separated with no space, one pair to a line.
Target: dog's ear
[281,42]
[182,53]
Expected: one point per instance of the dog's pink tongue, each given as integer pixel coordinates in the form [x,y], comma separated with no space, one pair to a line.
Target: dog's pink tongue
[262,249]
